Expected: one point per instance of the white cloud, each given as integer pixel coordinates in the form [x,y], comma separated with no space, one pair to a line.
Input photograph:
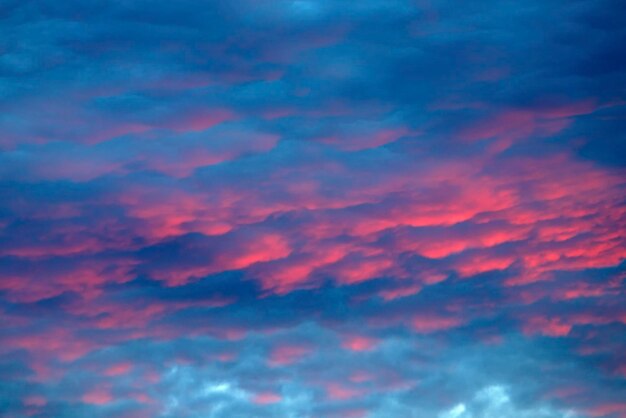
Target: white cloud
[495,402]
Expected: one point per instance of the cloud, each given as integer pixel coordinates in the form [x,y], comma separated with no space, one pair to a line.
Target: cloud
[296,209]
[494,401]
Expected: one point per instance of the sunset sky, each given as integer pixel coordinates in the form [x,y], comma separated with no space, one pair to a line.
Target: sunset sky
[312,209]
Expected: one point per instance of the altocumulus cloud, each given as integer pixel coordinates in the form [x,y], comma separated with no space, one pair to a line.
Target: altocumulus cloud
[494,402]
[304,209]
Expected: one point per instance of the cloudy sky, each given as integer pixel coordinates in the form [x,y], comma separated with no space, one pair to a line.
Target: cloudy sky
[312,209]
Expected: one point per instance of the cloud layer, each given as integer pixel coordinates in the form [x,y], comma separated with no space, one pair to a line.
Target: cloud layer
[308,208]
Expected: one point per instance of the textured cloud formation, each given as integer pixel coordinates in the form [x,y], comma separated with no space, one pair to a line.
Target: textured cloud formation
[309,208]
[493,402]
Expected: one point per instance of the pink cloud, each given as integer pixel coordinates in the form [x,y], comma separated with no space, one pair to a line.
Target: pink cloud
[359,343]
[118,369]
[199,120]
[553,327]
[514,124]
[336,391]
[35,400]
[400,292]
[98,396]
[428,323]
[608,409]
[283,355]
[266,398]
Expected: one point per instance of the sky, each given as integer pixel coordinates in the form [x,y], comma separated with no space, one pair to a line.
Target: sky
[312,209]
